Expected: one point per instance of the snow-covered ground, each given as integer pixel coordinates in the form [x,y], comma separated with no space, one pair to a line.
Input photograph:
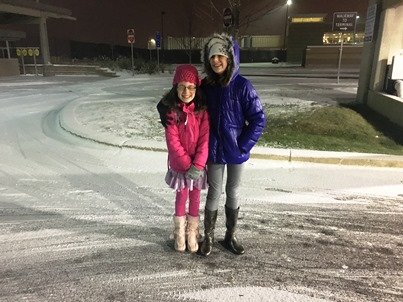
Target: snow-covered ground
[82,221]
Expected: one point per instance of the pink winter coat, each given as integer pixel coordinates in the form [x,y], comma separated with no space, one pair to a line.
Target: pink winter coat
[187,138]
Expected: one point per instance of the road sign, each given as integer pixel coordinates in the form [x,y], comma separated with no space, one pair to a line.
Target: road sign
[370,24]
[227,17]
[158,39]
[344,21]
[130,36]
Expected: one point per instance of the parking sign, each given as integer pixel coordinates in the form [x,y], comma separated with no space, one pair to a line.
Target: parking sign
[158,39]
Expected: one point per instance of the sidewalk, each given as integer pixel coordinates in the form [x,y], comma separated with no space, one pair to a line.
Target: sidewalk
[296,71]
[69,121]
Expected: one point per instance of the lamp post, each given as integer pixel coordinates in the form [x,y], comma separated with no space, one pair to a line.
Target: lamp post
[289,2]
[354,33]
[162,29]
[151,45]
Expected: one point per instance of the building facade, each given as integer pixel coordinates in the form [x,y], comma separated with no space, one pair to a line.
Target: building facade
[382,62]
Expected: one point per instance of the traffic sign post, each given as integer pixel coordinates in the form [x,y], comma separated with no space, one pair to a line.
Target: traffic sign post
[158,45]
[28,51]
[131,39]
[343,22]
[130,36]
[158,40]
[341,52]
[21,55]
[34,52]
[227,17]
[370,24]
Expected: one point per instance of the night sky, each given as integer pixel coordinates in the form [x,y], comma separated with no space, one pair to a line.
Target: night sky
[106,21]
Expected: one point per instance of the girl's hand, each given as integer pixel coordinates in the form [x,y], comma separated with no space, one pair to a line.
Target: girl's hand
[194,173]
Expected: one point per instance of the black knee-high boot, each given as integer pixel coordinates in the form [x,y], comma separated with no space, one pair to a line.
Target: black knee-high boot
[210,218]
[230,241]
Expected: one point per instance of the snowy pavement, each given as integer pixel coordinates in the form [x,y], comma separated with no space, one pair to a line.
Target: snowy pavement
[112,119]
[82,221]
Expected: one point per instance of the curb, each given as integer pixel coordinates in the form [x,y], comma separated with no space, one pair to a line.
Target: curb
[335,161]
[69,123]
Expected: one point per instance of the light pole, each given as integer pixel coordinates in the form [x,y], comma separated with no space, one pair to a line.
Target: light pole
[289,2]
[355,26]
[162,29]
[151,45]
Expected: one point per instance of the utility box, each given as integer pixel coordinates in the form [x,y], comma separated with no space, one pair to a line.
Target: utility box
[397,67]
[9,67]
[394,76]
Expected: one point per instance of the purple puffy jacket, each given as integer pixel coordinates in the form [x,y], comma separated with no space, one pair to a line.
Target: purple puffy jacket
[236,114]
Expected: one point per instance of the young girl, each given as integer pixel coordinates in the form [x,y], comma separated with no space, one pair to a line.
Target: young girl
[187,142]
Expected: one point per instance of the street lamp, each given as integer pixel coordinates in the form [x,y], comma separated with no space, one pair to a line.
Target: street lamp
[289,2]
[151,45]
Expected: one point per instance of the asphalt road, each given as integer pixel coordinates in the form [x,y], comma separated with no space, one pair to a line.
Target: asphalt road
[82,221]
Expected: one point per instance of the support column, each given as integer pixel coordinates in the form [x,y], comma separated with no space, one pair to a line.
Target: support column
[43,32]
[383,49]
[379,53]
[368,52]
[8,50]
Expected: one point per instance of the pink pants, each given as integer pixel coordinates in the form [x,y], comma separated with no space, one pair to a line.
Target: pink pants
[194,202]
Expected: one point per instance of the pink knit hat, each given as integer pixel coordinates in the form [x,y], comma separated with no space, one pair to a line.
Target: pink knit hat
[186,73]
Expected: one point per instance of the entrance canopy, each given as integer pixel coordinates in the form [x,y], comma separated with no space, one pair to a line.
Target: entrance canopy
[27,11]
[30,12]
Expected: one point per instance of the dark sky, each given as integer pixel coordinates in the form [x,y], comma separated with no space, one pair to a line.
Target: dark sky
[106,21]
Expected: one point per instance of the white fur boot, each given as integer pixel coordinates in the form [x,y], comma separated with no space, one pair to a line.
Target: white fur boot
[192,232]
[179,233]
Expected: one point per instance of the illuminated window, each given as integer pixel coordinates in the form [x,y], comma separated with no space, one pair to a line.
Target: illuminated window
[306,19]
[335,38]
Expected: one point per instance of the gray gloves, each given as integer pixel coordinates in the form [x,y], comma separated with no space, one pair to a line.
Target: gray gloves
[194,173]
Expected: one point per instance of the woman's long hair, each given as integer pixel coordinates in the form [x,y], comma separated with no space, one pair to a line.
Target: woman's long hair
[215,79]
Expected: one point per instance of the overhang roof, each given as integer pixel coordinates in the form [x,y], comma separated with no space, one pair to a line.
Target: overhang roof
[28,11]
[11,35]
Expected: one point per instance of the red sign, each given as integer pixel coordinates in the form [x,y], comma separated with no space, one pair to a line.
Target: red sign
[227,17]
[130,36]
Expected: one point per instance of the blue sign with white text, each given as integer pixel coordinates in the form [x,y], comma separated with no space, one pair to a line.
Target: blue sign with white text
[158,39]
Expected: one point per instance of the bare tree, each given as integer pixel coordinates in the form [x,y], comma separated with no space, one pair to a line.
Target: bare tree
[233,29]
[244,12]
[192,13]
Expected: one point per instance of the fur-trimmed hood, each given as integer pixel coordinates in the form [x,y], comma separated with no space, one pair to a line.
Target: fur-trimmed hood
[233,55]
